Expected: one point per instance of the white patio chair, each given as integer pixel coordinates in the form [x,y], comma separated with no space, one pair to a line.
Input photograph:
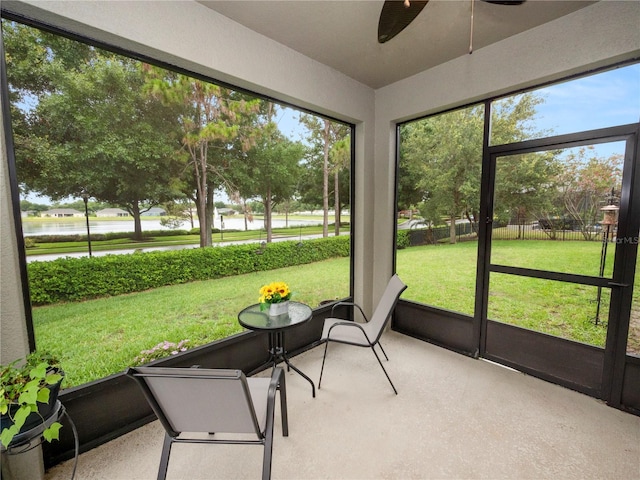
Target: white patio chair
[364,334]
[214,402]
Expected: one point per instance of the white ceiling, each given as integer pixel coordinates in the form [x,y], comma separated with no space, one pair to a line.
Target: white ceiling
[343,34]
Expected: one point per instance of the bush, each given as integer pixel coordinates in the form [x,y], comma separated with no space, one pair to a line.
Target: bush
[403,239]
[76,279]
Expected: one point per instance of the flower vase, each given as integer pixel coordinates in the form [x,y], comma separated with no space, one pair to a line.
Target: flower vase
[276,309]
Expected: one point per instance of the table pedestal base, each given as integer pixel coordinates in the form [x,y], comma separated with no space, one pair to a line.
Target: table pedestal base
[277,354]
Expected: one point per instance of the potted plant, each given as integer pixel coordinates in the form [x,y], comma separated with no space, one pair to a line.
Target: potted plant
[275,296]
[28,395]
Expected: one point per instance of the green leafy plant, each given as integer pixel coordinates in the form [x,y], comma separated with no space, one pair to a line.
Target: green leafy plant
[25,390]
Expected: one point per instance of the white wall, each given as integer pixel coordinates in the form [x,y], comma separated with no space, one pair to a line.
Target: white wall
[602,34]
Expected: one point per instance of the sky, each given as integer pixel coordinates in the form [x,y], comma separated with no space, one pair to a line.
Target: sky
[597,101]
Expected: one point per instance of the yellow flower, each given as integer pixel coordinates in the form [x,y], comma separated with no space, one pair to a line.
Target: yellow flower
[275,292]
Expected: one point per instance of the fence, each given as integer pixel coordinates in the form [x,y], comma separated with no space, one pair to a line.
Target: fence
[523,231]
[431,236]
[545,231]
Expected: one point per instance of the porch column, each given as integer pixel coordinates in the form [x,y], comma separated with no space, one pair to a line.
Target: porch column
[14,341]
[13,328]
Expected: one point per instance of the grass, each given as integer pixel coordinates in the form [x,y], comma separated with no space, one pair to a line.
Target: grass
[445,276]
[440,275]
[99,337]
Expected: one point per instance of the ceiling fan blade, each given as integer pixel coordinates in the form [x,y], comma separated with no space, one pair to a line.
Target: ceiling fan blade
[395,17]
[505,2]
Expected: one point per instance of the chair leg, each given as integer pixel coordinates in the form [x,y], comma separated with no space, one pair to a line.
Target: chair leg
[326,344]
[283,406]
[268,449]
[164,459]
[383,369]
[385,353]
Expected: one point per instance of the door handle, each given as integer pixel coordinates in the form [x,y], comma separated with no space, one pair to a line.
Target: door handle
[617,284]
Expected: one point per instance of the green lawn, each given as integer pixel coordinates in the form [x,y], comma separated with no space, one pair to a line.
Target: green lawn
[98,337]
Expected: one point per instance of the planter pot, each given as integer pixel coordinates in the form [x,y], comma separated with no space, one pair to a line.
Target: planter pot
[276,309]
[45,410]
[25,465]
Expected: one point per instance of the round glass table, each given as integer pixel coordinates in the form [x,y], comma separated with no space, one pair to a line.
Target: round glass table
[255,319]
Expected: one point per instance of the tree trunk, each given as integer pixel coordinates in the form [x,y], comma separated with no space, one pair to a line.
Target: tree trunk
[209,212]
[201,207]
[336,203]
[244,211]
[267,215]
[137,223]
[325,181]
[452,229]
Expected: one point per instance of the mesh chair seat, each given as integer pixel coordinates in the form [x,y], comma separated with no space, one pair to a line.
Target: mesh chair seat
[214,402]
[344,332]
[364,334]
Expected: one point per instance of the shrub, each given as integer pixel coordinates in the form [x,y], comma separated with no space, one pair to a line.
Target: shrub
[403,240]
[76,279]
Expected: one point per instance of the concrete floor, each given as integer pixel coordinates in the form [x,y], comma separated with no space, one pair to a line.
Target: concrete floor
[454,418]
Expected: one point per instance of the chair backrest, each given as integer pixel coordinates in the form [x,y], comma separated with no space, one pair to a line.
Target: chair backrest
[198,399]
[385,307]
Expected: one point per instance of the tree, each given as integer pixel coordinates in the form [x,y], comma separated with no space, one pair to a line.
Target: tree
[90,126]
[441,156]
[177,211]
[270,169]
[322,136]
[586,182]
[447,172]
[214,123]
[35,62]
[525,187]
[27,206]
[340,156]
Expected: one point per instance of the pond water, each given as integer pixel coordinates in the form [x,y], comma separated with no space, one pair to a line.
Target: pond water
[78,226]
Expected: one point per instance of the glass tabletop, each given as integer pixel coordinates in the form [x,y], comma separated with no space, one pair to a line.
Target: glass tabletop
[255,319]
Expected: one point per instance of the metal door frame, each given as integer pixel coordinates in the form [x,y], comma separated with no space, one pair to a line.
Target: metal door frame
[608,383]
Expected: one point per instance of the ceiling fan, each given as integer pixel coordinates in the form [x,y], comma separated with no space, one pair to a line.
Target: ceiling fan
[397,15]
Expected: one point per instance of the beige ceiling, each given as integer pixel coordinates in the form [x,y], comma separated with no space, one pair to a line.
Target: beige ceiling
[343,34]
